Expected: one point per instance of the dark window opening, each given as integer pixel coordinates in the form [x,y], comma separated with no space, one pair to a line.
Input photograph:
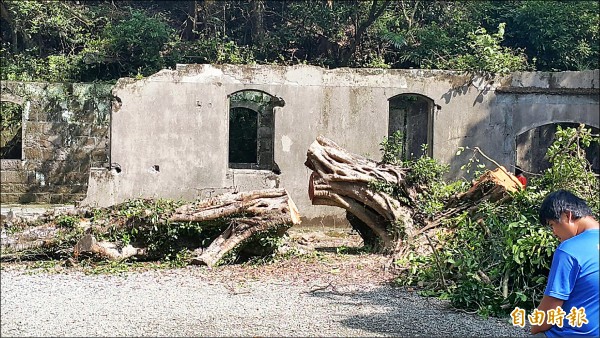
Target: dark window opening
[252,130]
[412,116]
[243,140]
[533,144]
[11,140]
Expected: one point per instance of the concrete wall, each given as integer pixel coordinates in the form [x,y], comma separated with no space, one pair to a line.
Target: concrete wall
[178,120]
[535,99]
[65,130]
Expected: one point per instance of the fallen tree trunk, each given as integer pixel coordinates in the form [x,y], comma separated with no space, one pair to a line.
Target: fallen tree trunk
[236,222]
[385,223]
[251,214]
[344,180]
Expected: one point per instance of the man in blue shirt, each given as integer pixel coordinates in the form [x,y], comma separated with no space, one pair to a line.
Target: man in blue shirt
[573,282]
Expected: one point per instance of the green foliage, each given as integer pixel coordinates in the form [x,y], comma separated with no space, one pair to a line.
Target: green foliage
[386,188]
[499,256]
[432,200]
[392,148]
[101,41]
[425,172]
[67,221]
[560,35]
[147,225]
[570,169]
[136,42]
[144,223]
[485,54]
[53,68]
[491,262]
[211,50]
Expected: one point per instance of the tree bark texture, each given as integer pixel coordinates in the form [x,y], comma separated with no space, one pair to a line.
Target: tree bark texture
[252,213]
[343,179]
[32,238]
[385,223]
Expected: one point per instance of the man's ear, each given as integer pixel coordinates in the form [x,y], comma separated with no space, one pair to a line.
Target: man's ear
[569,215]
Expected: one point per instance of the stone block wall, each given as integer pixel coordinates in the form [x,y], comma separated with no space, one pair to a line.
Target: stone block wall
[65,132]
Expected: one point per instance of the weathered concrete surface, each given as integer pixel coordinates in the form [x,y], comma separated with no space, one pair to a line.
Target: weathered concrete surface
[65,132]
[178,120]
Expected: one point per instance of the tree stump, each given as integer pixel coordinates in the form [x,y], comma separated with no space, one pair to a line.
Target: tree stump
[385,223]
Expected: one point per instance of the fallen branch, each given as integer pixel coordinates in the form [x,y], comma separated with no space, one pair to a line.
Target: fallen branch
[89,244]
[251,213]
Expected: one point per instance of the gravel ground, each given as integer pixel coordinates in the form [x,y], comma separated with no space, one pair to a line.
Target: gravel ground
[323,293]
[183,303]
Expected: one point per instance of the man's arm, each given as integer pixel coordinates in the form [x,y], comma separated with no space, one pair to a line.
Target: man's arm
[547,303]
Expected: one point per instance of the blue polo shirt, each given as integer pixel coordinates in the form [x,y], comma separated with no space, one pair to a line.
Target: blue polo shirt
[574,278]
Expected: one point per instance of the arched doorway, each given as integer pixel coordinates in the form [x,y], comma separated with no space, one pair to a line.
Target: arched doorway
[412,115]
[533,144]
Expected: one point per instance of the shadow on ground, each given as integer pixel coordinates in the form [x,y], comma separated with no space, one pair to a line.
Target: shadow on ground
[402,313]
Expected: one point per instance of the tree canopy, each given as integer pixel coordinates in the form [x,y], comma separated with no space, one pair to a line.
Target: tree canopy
[103,40]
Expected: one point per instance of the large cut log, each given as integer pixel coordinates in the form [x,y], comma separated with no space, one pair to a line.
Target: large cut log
[386,222]
[343,179]
[250,214]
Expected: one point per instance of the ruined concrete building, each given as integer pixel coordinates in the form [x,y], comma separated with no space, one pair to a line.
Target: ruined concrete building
[200,130]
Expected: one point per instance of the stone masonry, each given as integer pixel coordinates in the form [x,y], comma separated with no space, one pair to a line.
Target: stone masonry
[65,132]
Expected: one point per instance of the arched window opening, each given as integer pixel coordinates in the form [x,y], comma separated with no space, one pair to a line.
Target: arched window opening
[243,124]
[252,130]
[11,140]
[533,144]
[412,115]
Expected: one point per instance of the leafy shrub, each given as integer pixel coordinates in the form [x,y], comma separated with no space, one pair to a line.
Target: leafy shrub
[136,42]
[425,172]
[570,170]
[499,257]
[391,148]
[209,50]
[487,55]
